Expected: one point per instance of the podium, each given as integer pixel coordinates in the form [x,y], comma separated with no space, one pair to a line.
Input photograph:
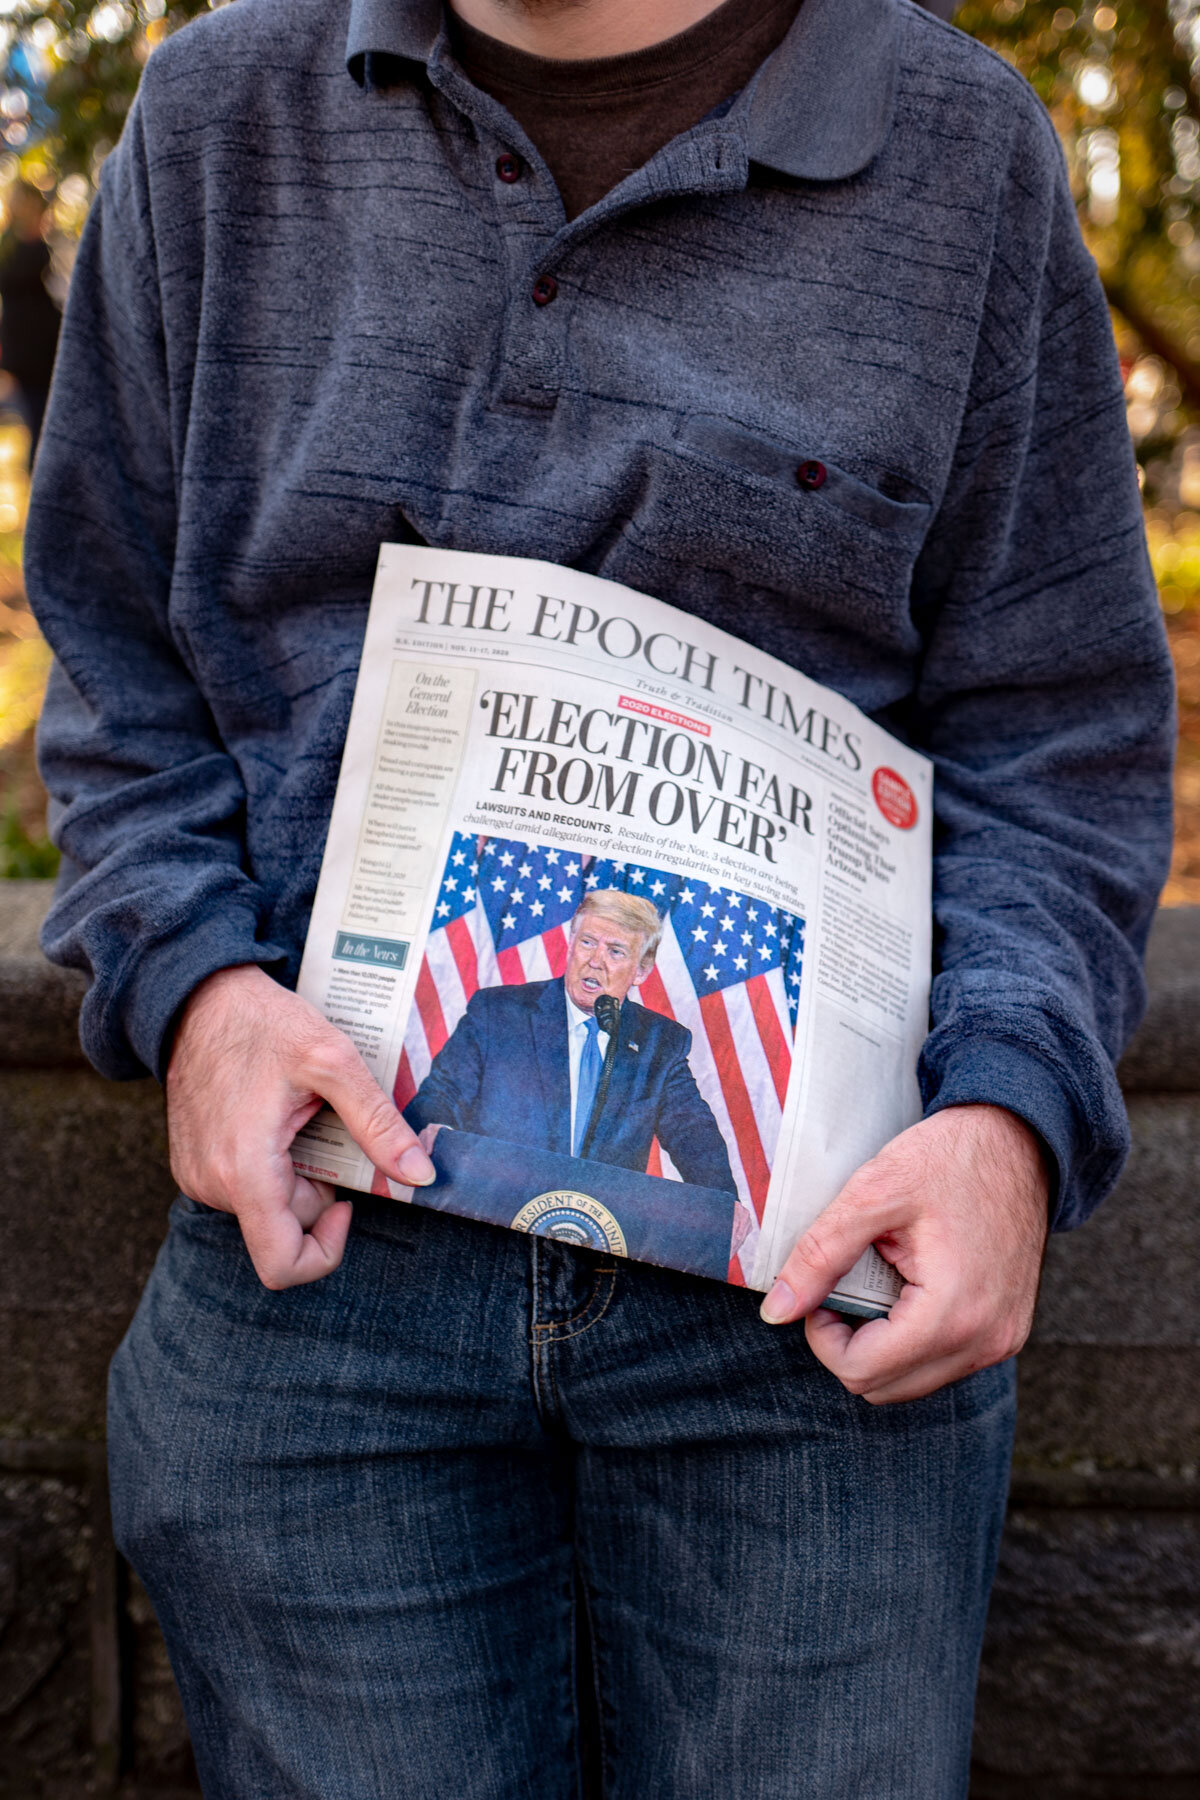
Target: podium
[596,1205]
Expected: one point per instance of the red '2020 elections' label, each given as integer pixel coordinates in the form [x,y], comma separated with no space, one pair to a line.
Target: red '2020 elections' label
[894,798]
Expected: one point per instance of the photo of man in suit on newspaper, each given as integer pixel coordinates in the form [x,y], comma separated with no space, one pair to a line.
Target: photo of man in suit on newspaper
[535,1064]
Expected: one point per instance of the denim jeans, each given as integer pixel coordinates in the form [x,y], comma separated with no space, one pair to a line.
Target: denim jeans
[369,1510]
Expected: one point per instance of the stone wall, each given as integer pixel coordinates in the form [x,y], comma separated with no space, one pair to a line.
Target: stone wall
[1092,1666]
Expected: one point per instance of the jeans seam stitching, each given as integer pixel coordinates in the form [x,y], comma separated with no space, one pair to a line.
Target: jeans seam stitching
[553,1374]
[554,1327]
[601,1727]
[561,1337]
[536,1342]
[580,1783]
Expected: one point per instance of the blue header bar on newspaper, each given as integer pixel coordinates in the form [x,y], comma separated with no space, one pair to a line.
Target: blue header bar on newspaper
[386,952]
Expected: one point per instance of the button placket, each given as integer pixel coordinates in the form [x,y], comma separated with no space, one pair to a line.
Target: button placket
[530,220]
[533,331]
[534,342]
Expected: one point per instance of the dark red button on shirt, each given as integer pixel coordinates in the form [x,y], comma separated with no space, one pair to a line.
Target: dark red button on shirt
[811,474]
[508,168]
[544,290]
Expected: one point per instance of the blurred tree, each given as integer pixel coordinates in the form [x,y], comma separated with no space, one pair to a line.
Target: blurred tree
[1118,80]
[1117,77]
[70,69]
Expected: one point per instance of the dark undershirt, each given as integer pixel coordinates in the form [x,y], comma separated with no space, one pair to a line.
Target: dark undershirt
[596,121]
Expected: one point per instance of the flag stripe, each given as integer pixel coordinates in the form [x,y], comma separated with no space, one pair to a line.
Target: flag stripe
[405,1087]
[774,1044]
[534,960]
[485,949]
[417,1051]
[750,1060]
[654,994]
[779,999]
[716,1020]
[448,983]
[462,948]
[510,966]
[556,942]
[677,984]
[430,1009]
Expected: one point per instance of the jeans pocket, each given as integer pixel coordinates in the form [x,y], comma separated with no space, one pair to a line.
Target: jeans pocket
[977,1394]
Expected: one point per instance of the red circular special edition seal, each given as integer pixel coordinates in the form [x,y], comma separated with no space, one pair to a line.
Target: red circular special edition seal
[894,798]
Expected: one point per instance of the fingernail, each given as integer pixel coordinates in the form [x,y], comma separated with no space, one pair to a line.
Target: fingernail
[416,1168]
[779,1304]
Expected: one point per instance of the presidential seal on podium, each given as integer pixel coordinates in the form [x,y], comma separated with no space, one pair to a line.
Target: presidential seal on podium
[619,1210]
[572,1218]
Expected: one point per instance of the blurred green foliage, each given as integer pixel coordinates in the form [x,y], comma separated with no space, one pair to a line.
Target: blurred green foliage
[1118,79]
[68,72]
[1118,76]
[24,856]
[76,64]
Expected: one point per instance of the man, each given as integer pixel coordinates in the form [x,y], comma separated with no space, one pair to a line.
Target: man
[828,364]
[29,317]
[525,1063]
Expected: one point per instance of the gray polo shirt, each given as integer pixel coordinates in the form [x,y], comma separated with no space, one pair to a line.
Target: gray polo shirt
[313,310]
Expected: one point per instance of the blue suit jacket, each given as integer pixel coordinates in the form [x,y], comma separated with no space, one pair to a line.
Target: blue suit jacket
[504,1072]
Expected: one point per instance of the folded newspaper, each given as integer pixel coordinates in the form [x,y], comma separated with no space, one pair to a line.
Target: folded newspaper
[632,920]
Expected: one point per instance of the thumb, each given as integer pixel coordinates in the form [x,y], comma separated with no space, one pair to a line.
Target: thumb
[832,1245]
[378,1129]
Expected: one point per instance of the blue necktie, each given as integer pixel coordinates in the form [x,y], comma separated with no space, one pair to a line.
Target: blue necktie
[590,1065]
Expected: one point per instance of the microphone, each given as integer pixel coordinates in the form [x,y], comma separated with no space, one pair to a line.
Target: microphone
[608,1016]
[608,1012]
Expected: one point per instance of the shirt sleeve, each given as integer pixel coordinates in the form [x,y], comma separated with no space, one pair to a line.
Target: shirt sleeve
[147,804]
[451,1091]
[1046,701]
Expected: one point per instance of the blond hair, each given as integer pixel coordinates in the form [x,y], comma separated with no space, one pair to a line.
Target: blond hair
[627,910]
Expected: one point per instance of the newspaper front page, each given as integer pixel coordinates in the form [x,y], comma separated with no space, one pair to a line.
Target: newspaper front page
[545,773]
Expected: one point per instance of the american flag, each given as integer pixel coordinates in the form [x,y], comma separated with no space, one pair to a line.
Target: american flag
[728,968]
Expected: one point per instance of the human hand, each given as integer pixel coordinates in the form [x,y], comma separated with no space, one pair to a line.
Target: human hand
[959,1204]
[427,1137]
[251,1063]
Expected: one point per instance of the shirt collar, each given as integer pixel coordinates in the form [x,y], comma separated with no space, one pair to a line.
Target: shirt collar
[406,28]
[820,110]
[577,1017]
